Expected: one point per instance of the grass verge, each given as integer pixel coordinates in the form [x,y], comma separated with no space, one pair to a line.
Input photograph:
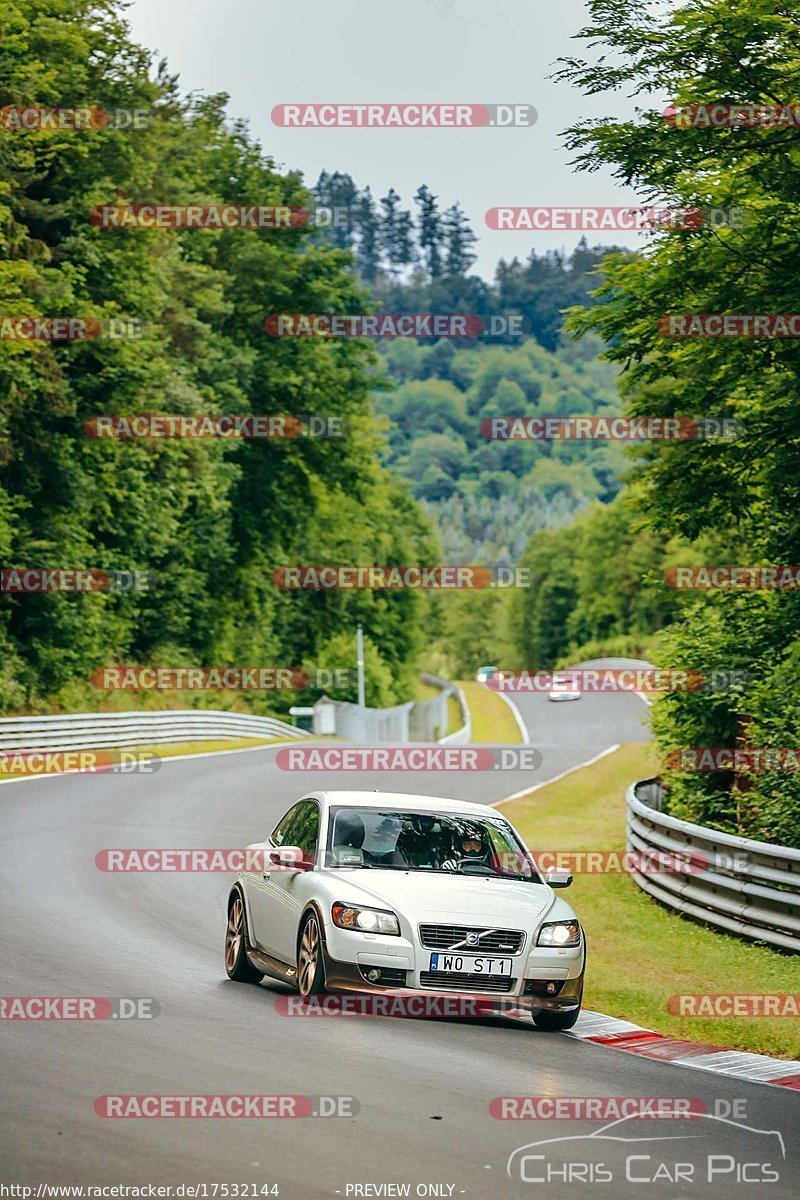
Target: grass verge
[640,953]
[492,719]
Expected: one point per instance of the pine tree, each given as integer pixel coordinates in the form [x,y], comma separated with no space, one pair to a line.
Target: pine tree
[459,239]
[369,254]
[396,233]
[431,233]
[342,200]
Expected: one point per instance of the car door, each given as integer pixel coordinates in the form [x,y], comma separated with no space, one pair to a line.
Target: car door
[258,881]
[280,893]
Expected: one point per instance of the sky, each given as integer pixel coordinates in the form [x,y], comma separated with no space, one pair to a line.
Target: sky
[264,53]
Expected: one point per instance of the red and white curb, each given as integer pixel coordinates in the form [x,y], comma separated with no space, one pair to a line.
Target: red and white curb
[624,1035]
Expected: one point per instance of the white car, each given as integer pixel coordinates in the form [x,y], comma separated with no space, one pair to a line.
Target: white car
[563,687]
[376,892]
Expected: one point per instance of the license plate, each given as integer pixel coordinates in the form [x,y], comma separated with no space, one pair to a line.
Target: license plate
[469,964]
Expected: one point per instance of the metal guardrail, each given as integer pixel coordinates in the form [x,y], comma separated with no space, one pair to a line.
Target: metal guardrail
[463,735]
[88,731]
[740,885]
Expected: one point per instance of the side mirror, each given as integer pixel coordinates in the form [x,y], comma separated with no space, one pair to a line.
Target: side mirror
[289,858]
[558,879]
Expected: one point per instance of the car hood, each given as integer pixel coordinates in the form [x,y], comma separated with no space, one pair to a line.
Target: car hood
[445,895]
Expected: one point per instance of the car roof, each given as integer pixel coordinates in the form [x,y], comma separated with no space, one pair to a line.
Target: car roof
[403,800]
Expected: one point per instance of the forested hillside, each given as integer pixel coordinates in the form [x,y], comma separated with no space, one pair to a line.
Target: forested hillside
[487,496]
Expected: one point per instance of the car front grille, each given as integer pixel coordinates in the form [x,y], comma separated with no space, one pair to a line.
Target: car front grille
[450,937]
[465,982]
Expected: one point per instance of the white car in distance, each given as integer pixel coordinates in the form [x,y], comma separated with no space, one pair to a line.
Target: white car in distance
[563,687]
[379,892]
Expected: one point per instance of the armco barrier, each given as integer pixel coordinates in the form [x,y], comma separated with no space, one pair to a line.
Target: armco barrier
[749,888]
[88,731]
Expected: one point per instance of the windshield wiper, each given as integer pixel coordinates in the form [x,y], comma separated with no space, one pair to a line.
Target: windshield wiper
[490,874]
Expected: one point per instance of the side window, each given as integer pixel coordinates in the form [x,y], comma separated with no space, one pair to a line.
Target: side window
[303,830]
[278,834]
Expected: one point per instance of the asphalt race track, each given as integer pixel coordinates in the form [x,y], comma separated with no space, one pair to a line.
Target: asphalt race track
[423,1087]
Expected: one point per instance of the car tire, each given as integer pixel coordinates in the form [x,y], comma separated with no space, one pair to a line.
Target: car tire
[237,965]
[546,1019]
[310,966]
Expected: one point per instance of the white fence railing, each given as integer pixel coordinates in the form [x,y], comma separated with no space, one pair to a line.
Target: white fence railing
[416,721]
[372,724]
[87,731]
[742,886]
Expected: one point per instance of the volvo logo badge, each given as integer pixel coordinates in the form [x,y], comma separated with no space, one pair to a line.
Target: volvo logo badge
[472,939]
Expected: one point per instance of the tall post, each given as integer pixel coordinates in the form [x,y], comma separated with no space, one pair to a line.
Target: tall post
[360,662]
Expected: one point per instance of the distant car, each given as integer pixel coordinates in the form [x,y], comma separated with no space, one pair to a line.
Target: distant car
[564,687]
[374,892]
[486,673]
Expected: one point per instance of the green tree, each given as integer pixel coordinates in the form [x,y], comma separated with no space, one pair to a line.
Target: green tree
[396,234]
[431,234]
[211,519]
[743,492]
[459,240]
[369,258]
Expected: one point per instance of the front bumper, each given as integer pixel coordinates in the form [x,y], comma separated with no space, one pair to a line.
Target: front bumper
[544,978]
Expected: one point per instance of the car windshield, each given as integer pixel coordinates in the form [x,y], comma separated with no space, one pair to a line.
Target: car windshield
[390,839]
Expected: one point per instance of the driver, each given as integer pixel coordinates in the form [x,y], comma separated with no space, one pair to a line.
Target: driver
[470,846]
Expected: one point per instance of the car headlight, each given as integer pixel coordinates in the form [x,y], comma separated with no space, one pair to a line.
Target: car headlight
[559,933]
[364,920]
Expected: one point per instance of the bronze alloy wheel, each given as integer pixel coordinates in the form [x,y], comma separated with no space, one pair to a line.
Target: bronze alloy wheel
[237,964]
[310,971]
